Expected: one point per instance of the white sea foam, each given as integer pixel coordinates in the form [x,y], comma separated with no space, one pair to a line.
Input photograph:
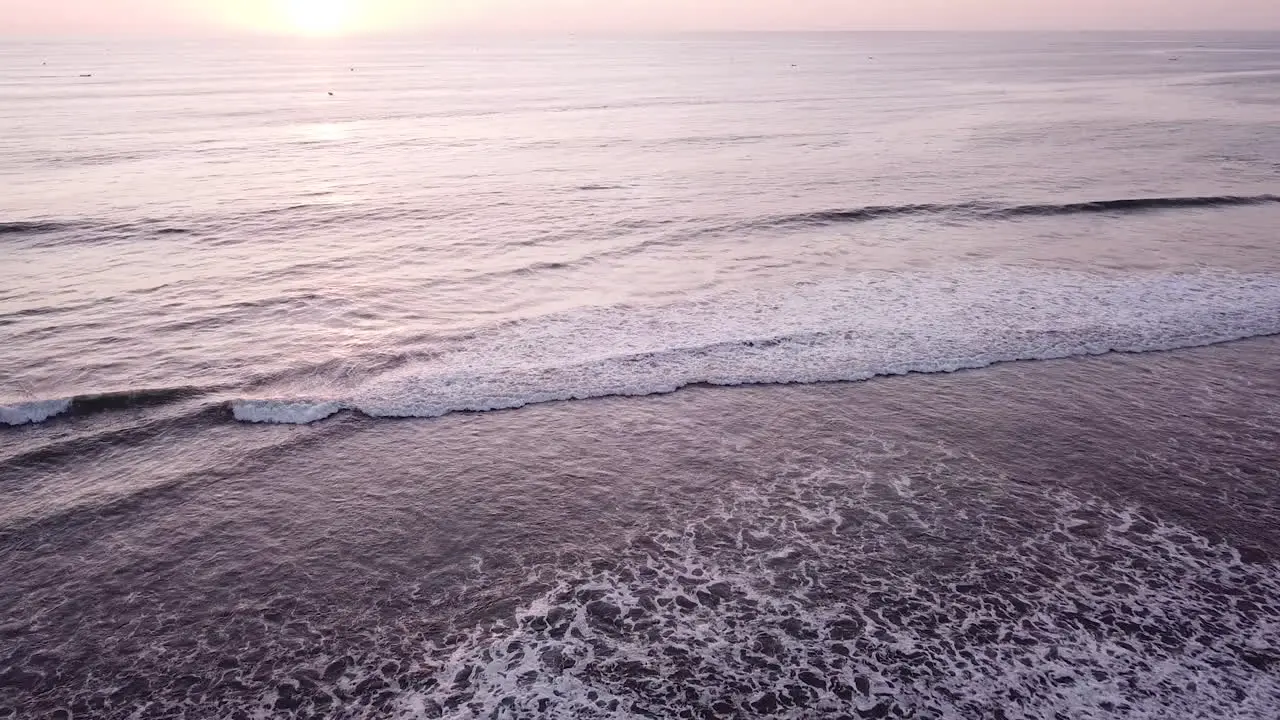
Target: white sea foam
[284,411]
[762,609]
[33,412]
[865,325]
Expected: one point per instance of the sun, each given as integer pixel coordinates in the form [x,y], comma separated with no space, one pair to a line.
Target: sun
[319,17]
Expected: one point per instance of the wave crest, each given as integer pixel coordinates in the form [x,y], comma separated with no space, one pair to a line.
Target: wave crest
[34,411]
[284,412]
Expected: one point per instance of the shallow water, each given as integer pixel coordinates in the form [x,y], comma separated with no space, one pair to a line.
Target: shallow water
[1092,537]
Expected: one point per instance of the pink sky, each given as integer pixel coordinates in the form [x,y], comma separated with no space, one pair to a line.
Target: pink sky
[184,16]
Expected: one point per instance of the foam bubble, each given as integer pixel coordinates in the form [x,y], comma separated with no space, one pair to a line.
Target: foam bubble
[777,607]
[33,412]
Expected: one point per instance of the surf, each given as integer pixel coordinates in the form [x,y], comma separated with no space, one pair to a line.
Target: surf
[867,325]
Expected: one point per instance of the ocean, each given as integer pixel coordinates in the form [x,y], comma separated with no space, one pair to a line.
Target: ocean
[699,376]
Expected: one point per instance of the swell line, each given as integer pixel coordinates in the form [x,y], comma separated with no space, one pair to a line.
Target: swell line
[83,446]
[224,229]
[33,227]
[981,210]
[1138,205]
[127,503]
[975,211]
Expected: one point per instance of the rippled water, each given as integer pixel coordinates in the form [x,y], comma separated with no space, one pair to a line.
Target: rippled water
[211,217]
[231,273]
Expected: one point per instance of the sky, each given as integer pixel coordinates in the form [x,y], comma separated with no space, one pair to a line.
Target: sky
[354,17]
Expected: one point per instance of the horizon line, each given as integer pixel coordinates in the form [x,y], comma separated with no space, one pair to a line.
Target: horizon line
[610,33]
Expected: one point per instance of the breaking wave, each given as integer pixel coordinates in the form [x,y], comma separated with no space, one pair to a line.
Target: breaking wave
[295,412]
[869,324]
[862,326]
[34,411]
